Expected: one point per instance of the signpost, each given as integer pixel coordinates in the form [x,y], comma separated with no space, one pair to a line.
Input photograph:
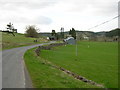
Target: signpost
[76,46]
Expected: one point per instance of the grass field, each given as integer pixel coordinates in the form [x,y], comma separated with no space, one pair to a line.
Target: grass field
[98,62]
[9,41]
[45,76]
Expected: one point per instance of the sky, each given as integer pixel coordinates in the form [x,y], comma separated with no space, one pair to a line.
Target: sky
[54,14]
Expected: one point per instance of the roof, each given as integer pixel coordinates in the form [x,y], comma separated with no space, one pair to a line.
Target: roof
[69,38]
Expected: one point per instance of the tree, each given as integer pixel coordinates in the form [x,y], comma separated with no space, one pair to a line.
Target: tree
[31,31]
[72,33]
[115,32]
[53,33]
[57,36]
[11,29]
[62,32]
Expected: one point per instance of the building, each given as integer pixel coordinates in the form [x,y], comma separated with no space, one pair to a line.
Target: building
[70,40]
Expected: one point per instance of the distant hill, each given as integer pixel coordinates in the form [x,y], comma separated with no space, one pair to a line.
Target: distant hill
[45,34]
[115,32]
[103,33]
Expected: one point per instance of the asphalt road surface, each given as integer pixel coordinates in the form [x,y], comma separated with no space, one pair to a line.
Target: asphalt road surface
[14,72]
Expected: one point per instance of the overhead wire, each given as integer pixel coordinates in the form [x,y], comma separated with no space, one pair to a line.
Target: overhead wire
[104,22]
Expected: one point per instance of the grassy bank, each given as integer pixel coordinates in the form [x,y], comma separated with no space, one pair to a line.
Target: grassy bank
[45,76]
[9,41]
[97,61]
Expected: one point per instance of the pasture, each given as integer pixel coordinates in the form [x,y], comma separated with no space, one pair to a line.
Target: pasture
[97,61]
[45,76]
[9,41]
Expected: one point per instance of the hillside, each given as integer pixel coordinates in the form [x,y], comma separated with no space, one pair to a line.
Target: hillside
[9,41]
[115,32]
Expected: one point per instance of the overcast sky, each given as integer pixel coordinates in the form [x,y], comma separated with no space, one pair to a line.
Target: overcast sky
[54,14]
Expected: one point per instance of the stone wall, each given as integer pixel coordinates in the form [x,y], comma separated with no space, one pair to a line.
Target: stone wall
[48,47]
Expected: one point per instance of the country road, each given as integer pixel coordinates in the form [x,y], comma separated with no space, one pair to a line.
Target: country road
[14,73]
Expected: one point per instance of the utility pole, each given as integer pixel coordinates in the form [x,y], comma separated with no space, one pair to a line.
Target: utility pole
[76,46]
[119,14]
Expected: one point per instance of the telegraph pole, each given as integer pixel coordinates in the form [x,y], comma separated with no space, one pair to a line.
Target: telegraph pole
[119,14]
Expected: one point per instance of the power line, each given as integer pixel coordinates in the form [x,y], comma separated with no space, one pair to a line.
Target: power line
[104,22]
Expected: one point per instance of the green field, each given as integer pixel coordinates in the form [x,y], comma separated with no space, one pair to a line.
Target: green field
[45,76]
[9,41]
[97,61]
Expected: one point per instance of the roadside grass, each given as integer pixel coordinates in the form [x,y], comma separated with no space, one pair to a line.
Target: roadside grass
[45,76]
[97,61]
[9,41]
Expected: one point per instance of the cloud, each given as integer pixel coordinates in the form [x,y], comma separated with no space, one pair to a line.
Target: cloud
[29,4]
[98,7]
[57,13]
[43,20]
[20,19]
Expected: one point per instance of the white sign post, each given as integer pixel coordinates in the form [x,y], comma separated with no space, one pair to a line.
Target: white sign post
[76,46]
